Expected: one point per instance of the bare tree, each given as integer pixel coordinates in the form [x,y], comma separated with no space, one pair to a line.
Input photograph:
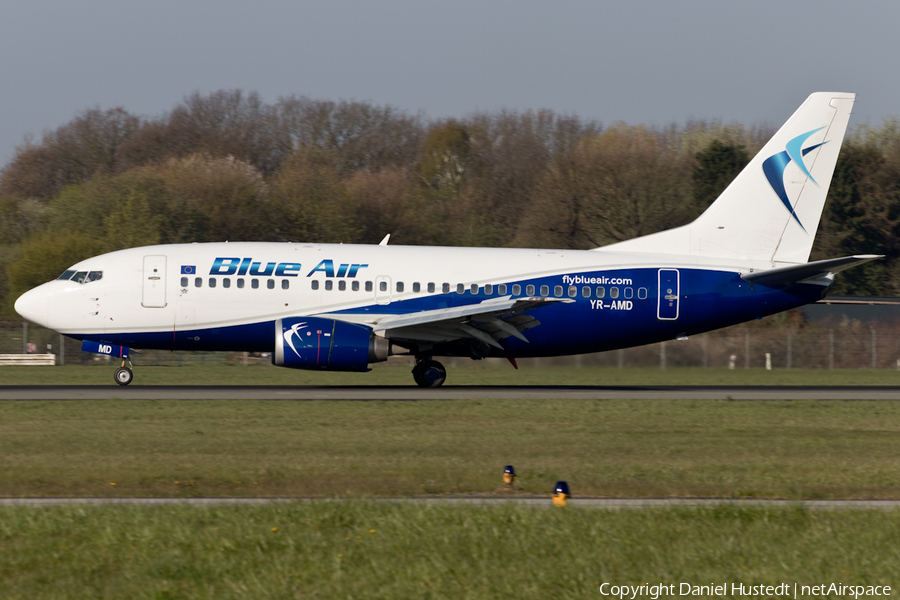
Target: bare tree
[359,135]
[623,183]
[89,144]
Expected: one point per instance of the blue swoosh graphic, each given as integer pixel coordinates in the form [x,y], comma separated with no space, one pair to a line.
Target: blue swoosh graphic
[796,154]
[774,166]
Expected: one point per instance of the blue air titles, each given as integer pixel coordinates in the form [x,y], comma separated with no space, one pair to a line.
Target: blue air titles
[344,270]
[246,266]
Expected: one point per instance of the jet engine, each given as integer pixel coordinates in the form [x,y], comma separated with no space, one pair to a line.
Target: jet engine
[316,343]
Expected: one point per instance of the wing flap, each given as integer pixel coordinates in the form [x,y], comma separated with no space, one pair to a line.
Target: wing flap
[488,321]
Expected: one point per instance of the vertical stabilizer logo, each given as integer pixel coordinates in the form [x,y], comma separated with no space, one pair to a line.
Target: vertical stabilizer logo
[774,167]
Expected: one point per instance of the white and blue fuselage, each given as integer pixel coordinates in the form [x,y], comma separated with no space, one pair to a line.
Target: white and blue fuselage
[229,296]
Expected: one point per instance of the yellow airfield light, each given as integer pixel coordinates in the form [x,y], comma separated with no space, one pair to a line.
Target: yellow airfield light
[561,493]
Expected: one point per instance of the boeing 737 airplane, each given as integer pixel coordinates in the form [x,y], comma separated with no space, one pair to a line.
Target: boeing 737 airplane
[342,307]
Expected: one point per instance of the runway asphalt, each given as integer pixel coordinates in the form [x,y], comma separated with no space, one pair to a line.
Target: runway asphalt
[605,503]
[412,393]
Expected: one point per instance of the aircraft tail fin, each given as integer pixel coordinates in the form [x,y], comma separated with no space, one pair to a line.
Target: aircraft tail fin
[771,211]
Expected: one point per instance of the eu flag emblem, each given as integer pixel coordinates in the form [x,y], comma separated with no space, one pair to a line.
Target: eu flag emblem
[188,269]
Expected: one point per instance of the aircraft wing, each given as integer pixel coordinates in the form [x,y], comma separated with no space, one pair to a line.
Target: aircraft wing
[796,273]
[487,321]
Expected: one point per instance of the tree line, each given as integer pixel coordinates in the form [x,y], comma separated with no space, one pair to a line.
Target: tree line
[228,166]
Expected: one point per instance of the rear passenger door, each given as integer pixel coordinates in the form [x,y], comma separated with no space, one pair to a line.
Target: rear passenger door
[669,294]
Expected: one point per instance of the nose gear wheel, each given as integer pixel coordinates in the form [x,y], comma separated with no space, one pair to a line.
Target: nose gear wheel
[123,376]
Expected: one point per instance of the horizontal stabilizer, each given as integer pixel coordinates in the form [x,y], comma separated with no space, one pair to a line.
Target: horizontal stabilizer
[795,273]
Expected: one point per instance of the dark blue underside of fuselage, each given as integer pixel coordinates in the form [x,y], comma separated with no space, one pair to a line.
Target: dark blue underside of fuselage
[708,300]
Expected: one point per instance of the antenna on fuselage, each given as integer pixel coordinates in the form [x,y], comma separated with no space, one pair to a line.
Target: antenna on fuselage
[385,240]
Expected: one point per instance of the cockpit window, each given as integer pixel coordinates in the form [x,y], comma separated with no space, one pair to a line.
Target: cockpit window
[81,276]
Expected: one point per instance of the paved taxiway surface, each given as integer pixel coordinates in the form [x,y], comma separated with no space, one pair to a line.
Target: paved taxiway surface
[607,503]
[411,393]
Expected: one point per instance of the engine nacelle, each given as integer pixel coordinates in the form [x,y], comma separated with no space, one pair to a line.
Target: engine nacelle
[326,344]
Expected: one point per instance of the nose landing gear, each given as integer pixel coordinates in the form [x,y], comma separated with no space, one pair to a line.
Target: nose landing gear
[123,374]
[429,373]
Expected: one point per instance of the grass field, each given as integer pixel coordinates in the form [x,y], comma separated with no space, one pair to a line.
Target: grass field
[798,449]
[361,549]
[365,550]
[466,373]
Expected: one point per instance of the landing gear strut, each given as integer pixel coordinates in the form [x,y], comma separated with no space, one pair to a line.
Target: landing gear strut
[123,374]
[429,373]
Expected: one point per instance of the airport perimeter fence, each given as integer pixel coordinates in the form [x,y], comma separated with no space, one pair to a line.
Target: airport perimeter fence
[841,345]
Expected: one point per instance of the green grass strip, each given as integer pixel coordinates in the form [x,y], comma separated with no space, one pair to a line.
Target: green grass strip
[365,550]
[633,448]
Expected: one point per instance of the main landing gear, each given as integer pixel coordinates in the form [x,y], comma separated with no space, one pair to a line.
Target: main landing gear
[123,374]
[429,373]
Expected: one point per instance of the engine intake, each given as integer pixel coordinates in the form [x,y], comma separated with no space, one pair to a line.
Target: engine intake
[322,344]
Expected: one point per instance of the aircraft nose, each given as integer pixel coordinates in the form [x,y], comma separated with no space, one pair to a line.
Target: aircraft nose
[34,305]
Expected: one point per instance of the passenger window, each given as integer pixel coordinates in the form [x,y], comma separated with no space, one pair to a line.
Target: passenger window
[368,286]
[642,293]
[285,284]
[488,289]
[212,282]
[184,282]
[613,292]
[558,291]
[382,285]
[460,288]
[315,284]
[329,285]
[473,288]
[416,287]
[445,288]
[501,289]
[573,291]
[586,291]
[270,284]
[355,286]
[94,276]
[399,286]
[545,290]
[430,288]
[517,289]
[240,283]
[629,292]
[342,285]
[226,283]
[529,291]
[254,283]
[601,292]
[198,282]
